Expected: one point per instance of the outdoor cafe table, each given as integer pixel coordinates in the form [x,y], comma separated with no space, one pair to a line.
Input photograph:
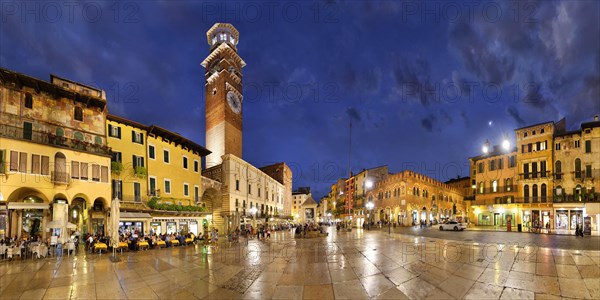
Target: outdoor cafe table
[3,249]
[100,247]
[174,242]
[189,241]
[161,244]
[142,245]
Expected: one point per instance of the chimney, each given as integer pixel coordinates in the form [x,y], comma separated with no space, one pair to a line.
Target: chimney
[596,118]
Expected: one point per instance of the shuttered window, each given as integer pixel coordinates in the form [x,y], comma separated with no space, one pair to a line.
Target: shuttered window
[45,165]
[104,174]
[84,171]
[35,164]
[22,162]
[95,172]
[2,161]
[14,161]
[75,169]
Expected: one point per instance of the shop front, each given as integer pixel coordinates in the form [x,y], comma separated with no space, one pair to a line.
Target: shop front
[134,223]
[183,225]
[28,217]
[568,217]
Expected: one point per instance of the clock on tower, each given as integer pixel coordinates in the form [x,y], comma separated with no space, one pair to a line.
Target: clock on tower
[223,94]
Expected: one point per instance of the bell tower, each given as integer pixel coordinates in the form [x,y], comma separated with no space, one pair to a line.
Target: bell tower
[223,88]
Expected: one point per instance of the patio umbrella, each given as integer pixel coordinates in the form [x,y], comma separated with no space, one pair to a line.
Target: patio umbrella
[115,215]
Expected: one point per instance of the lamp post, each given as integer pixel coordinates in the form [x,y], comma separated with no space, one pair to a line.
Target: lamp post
[369,206]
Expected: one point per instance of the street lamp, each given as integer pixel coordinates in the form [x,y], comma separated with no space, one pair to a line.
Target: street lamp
[506,144]
[486,147]
[370,206]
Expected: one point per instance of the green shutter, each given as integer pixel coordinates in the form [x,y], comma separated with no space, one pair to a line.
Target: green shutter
[119,132]
[133,136]
[110,130]
[134,162]
[2,161]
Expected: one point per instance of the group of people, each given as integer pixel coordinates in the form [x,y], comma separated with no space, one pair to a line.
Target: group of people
[301,230]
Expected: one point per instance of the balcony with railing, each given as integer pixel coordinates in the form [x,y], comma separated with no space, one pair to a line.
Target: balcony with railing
[535,175]
[588,197]
[60,177]
[538,199]
[499,189]
[46,138]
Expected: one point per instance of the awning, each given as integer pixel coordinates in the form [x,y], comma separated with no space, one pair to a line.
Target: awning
[24,205]
[135,215]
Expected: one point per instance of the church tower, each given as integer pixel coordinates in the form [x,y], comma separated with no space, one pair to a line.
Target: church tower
[223,94]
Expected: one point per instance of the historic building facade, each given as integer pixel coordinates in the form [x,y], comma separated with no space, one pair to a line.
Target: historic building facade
[54,159]
[495,179]
[408,198]
[248,194]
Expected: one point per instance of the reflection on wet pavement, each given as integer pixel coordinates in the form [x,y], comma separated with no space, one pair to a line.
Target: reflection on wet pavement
[345,265]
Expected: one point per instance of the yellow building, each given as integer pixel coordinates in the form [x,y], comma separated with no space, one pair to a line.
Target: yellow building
[495,181]
[156,174]
[535,169]
[53,155]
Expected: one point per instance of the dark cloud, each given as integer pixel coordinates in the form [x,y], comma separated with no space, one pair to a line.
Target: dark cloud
[427,123]
[353,114]
[514,113]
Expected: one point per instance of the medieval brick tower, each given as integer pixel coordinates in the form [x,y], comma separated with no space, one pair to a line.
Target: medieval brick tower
[223,94]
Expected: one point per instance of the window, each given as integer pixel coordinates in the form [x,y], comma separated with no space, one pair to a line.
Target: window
[35,164]
[526,171]
[481,187]
[480,168]
[508,185]
[196,166]
[104,174]
[525,134]
[250,189]
[75,169]
[557,146]
[577,168]
[542,145]
[558,169]
[529,147]
[492,166]
[2,161]
[116,157]
[151,152]
[28,100]
[526,193]
[495,186]
[258,191]
[117,189]
[83,175]
[167,186]
[588,171]
[185,162]
[186,189]
[137,137]
[22,162]
[152,186]
[237,184]
[45,165]
[511,161]
[543,168]
[95,172]
[533,132]
[138,161]
[534,192]
[588,146]
[500,163]
[544,192]
[534,169]
[114,131]
[166,156]
[27,130]
[577,144]
[542,130]
[137,192]
[78,114]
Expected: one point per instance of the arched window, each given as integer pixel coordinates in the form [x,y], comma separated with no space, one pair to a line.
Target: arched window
[495,186]
[543,192]
[481,186]
[534,192]
[508,185]
[577,168]
[558,169]
[526,193]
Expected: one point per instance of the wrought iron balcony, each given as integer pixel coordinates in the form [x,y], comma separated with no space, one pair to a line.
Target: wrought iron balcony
[46,138]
